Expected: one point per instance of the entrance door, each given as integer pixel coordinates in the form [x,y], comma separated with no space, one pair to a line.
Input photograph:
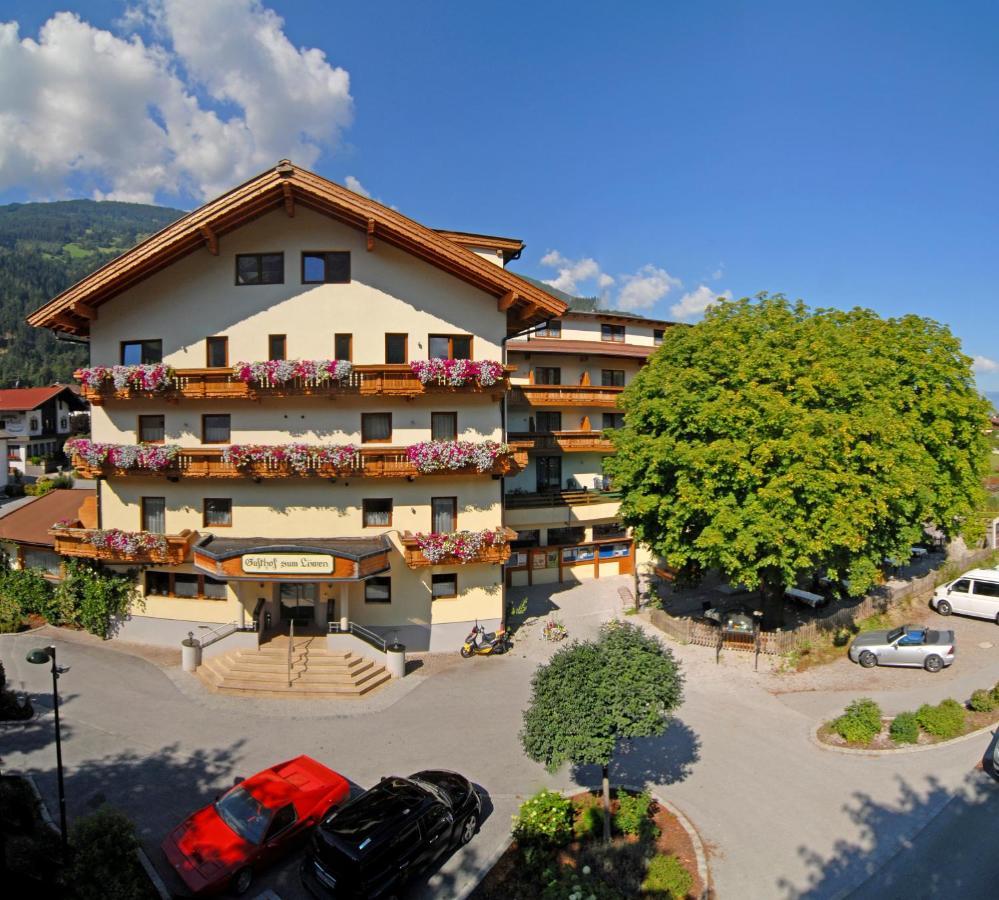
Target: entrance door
[549,469]
[298,602]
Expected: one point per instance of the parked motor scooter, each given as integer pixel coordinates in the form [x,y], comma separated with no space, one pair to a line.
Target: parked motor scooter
[482,643]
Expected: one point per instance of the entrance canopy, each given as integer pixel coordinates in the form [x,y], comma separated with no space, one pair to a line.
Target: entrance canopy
[297,559]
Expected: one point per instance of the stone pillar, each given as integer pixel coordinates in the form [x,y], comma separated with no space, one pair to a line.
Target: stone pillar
[344,606]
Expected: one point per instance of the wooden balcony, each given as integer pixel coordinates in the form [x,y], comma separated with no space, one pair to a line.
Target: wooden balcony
[559,498]
[494,553]
[73,542]
[566,441]
[564,395]
[222,384]
[368,462]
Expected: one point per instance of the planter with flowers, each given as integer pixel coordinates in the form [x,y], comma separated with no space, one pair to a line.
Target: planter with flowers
[116,545]
[457,547]
[94,459]
[465,456]
[302,374]
[458,373]
[98,382]
[293,459]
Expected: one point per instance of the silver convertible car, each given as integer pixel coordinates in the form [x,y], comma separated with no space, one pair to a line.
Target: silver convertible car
[910,645]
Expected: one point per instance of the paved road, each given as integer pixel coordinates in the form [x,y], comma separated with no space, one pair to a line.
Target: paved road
[781,817]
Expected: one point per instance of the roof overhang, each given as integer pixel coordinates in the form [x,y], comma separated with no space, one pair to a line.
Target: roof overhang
[287,186]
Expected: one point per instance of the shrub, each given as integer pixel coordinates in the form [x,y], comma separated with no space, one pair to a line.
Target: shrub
[545,818]
[945,720]
[666,875]
[588,817]
[96,595]
[104,862]
[995,694]
[63,481]
[632,815]
[29,589]
[982,701]
[38,489]
[860,722]
[905,728]
[11,614]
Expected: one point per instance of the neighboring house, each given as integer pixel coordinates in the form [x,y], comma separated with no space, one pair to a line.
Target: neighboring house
[286,267]
[570,373]
[37,421]
[25,525]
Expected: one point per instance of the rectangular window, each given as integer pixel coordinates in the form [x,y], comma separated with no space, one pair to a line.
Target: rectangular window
[378,590]
[376,428]
[260,268]
[443,426]
[343,346]
[152,429]
[450,346]
[442,586]
[609,530]
[277,346]
[217,512]
[158,584]
[549,422]
[215,588]
[376,512]
[549,473]
[185,585]
[547,375]
[217,352]
[319,267]
[552,329]
[611,332]
[566,535]
[612,377]
[395,348]
[443,514]
[154,514]
[215,429]
[141,353]
[657,335]
[613,420]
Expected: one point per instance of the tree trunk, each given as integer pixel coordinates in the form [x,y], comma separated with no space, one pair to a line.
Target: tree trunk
[606,792]
[772,594]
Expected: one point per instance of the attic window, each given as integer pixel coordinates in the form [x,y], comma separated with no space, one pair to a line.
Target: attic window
[135,353]
[260,268]
[326,268]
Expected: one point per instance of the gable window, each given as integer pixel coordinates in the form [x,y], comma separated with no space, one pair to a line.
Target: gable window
[376,428]
[260,268]
[657,335]
[612,377]
[343,346]
[217,352]
[326,268]
[395,348]
[444,585]
[547,375]
[217,512]
[153,513]
[215,429]
[376,512]
[550,329]
[443,514]
[378,590]
[611,332]
[141,353]
[450,346]
[277,346]
[443,426]
[152,429]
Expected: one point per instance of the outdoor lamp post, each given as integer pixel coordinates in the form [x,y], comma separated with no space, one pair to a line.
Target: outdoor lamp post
[39,656]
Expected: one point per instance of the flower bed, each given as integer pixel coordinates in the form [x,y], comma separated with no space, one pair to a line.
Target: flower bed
[554,631]
[276,372]
[300,458]
[154,457]
[457,372]
[464,546]
[152,377]
[438,456]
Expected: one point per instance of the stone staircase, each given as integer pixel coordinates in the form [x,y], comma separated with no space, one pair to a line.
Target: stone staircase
[316,673]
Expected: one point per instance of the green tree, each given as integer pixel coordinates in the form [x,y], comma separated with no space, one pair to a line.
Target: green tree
[97,596]
[592,694]
[771,441]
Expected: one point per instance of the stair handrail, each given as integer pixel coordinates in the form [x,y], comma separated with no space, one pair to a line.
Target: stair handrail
[361,633]
[291,643]
[216,634]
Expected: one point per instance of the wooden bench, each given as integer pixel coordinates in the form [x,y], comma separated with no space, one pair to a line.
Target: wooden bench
[806,597]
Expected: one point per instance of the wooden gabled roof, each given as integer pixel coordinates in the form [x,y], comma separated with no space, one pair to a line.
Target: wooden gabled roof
[289,186]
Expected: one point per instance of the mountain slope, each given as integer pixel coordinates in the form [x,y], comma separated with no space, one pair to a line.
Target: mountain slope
[44,248]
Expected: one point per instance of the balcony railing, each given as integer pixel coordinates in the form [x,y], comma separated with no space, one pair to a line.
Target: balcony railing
[564,395]
[566,441]
[559,498]
[77,541]
[367,462]
[223,384]
[496,552]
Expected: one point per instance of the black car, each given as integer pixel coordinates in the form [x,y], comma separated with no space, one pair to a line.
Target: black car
[372,845]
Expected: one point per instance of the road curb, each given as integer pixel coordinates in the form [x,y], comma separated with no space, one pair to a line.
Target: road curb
[894,751]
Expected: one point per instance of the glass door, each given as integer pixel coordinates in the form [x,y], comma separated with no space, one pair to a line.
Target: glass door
[298,601]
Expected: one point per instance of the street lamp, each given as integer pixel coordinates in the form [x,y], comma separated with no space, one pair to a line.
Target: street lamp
[39,656]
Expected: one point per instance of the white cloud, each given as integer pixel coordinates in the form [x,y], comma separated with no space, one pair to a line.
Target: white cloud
[694,303]
[645,288]
[353,184]
[572,273]
[128,118]
[982,365]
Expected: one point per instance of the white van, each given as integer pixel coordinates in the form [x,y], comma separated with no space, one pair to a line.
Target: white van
[975,593]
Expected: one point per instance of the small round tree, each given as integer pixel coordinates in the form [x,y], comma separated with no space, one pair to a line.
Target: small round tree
[592,694]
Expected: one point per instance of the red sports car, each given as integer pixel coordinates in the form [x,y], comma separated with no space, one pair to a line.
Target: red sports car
[218,847]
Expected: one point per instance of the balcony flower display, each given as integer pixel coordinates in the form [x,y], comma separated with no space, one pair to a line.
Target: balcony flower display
[301,458]
[437,456]
[154,457]
[463,545]
[276,372]
[126,543]
[150,377]
[457,372]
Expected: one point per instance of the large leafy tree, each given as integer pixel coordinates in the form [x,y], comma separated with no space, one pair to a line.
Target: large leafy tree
[772,442]
[593,694]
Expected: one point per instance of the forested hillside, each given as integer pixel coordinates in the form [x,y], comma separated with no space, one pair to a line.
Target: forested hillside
[44,248]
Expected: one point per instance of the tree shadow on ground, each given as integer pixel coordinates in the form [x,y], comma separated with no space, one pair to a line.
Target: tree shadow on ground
[914,846]
[37,732]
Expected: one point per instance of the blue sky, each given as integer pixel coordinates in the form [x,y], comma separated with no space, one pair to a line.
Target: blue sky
[843,153]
